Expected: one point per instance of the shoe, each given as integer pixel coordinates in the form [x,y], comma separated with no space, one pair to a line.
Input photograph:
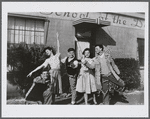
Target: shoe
[87,104]
[121,82]
[95,103]
[101,104]
[73,103]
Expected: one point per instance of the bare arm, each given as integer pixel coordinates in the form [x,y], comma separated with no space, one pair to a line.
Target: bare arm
[114,73]
[114,66]
[58,43]
[39,67]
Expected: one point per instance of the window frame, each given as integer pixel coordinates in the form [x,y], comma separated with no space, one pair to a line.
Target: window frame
[29,17]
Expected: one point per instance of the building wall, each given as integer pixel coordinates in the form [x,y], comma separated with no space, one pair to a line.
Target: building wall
[66,34]
[121,35]
[122,32]
[125,38]
[126,41]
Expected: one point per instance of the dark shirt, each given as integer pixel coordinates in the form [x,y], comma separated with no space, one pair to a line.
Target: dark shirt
[37,89]
[69,67]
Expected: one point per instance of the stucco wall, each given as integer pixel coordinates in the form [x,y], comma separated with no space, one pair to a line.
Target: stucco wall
[122,40]
[122,34]
[126,41]
[66,34]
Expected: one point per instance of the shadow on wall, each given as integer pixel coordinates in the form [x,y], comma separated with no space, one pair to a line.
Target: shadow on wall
[102,37]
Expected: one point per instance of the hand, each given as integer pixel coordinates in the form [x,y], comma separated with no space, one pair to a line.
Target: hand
[47,81]
[74,64]
[83,61]
[29,74]
[57,35]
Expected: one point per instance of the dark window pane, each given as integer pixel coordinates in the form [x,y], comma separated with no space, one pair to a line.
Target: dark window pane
[141,51]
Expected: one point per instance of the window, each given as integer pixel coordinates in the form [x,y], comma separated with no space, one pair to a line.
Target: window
[25,30]
[141,51]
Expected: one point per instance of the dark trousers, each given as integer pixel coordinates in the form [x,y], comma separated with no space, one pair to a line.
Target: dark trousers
[109,83]
[49,95]
[72,81]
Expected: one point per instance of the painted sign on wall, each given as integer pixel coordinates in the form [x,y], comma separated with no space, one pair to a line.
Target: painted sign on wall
[124,21]
[115,19]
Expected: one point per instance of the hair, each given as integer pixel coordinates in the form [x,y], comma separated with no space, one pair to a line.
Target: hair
[49,48]
[101,46]
[46,69]
[71,49]
[86,49]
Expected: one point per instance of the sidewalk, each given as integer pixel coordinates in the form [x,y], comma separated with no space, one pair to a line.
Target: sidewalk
[132,98]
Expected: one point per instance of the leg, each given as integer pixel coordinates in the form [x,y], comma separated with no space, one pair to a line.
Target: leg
[105,89]
[94,98]
[48,97]
[120,82]
[119,85]
[60,83]
[106,99]
[72,81]
[86,98]
[53,98]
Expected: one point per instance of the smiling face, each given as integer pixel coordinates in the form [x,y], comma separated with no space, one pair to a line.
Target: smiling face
[98,50]
[48,52]
[44,75]
[87,53]
[71,54]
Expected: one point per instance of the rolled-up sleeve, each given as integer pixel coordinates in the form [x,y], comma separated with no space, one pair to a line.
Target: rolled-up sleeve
[91,66]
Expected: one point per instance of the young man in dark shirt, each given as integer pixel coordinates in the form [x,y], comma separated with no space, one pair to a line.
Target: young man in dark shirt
[41,90]
[72,70]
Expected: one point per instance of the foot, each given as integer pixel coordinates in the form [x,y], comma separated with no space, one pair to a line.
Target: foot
[87,104]
[73,103]
[101,104]
[95,102]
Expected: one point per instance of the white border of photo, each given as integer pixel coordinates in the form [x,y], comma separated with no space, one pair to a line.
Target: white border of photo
[69,110]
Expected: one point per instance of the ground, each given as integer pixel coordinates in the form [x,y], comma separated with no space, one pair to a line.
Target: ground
[128,98]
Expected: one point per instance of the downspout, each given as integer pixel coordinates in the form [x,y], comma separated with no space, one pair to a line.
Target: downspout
[48,21]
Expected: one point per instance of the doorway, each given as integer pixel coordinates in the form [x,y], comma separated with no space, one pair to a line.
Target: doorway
[86,33]
[85,39]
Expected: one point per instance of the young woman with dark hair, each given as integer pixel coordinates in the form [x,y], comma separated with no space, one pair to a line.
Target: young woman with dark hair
[86,82]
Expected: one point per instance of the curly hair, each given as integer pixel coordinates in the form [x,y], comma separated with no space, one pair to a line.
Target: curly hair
[101,46]
[49,48]
[86,49]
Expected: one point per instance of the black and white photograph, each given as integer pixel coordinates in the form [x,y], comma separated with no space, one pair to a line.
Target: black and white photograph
[69,58]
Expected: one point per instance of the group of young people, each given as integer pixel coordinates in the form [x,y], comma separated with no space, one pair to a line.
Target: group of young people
[90,75]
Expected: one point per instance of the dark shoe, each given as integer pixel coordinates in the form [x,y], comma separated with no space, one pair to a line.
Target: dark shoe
[121,82]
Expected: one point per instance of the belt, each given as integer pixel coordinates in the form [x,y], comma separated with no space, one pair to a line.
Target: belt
[72,75]
[54,69]
[106,75]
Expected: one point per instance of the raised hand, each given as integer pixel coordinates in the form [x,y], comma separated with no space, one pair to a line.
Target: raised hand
[29,75]
[58,44]
[83,60]
[57,35]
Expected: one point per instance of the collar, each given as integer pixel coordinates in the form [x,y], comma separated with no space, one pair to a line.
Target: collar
[70,59]
[101,55]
